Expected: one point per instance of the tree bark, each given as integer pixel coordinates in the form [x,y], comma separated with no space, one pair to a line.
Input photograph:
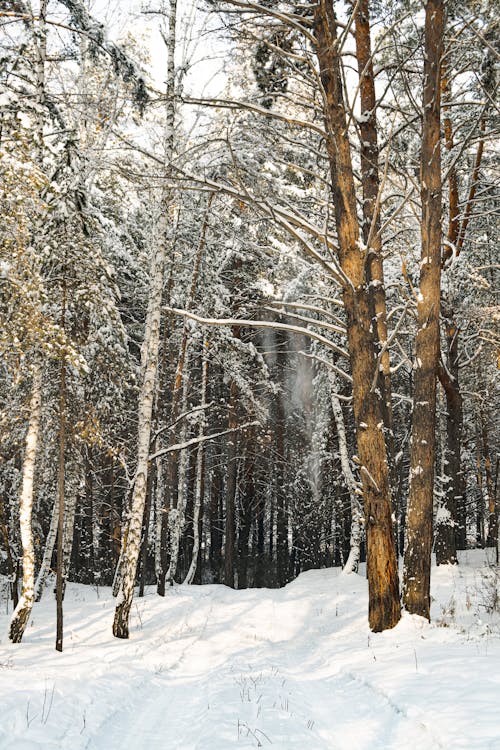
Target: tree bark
[22,612]
[232,471]
[352,562]
[492,536]
[371,227]
[447,517]
[417,556]
[384,607]
[198,489]
[60,501]
[149,364]
[11,568]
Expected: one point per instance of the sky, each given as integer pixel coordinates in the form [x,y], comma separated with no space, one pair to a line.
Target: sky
[200,51]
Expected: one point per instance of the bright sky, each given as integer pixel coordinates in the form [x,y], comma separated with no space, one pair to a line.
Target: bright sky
[200,53]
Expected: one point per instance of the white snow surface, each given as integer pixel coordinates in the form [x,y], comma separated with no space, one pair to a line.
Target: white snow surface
[209,668]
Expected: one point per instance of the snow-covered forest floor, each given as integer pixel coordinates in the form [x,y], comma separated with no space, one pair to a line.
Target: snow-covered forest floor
[297,669]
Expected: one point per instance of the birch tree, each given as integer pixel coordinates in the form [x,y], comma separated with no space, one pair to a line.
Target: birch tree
[149,358]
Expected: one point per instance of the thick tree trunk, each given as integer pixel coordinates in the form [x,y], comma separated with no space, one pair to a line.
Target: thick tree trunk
[384,606]
[22,612]
[417,557]
[371,211]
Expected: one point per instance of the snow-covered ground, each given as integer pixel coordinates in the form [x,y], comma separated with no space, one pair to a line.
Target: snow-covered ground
[208,668]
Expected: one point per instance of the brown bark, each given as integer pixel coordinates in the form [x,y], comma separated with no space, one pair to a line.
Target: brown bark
[384,607]
[370,181]
[453,198]
[473,186]
[417,557]
[450,526]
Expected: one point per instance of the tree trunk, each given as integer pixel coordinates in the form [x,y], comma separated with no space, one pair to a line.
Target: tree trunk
[177,515]
[246,508]
[11,568]
[145,535]
[417,557]
[492,536]
[371,211]
[384,606]
[22,612]
[215,524]
[281,504]
[351,565]
[48,552]
[198,489]
[446,521]
[232,471]
[149,361]
[60,500]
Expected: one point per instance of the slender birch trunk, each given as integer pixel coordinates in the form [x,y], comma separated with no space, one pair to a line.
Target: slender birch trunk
[383,585]
[232,471]
[61,503]
[22,612]
[417,555]
[199,473]
[149,362]
[48,552]
[167,516]
[177,515]
[352,562]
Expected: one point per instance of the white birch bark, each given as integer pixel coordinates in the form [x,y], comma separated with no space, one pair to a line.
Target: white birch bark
[48,552]
[351,565]
[149,361]
[199,471]
[22,612]
[177,515]
[69,528]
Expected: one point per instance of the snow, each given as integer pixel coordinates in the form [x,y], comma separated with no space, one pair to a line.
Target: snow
[209,668]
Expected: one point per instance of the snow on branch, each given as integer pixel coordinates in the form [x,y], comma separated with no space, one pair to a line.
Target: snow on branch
[197,440]
[94,30]
[261,324]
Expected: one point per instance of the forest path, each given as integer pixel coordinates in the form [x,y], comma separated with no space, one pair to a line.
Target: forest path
[209,668]
[241,671]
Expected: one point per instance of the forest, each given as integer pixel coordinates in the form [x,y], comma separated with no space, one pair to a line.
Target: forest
[248,296]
